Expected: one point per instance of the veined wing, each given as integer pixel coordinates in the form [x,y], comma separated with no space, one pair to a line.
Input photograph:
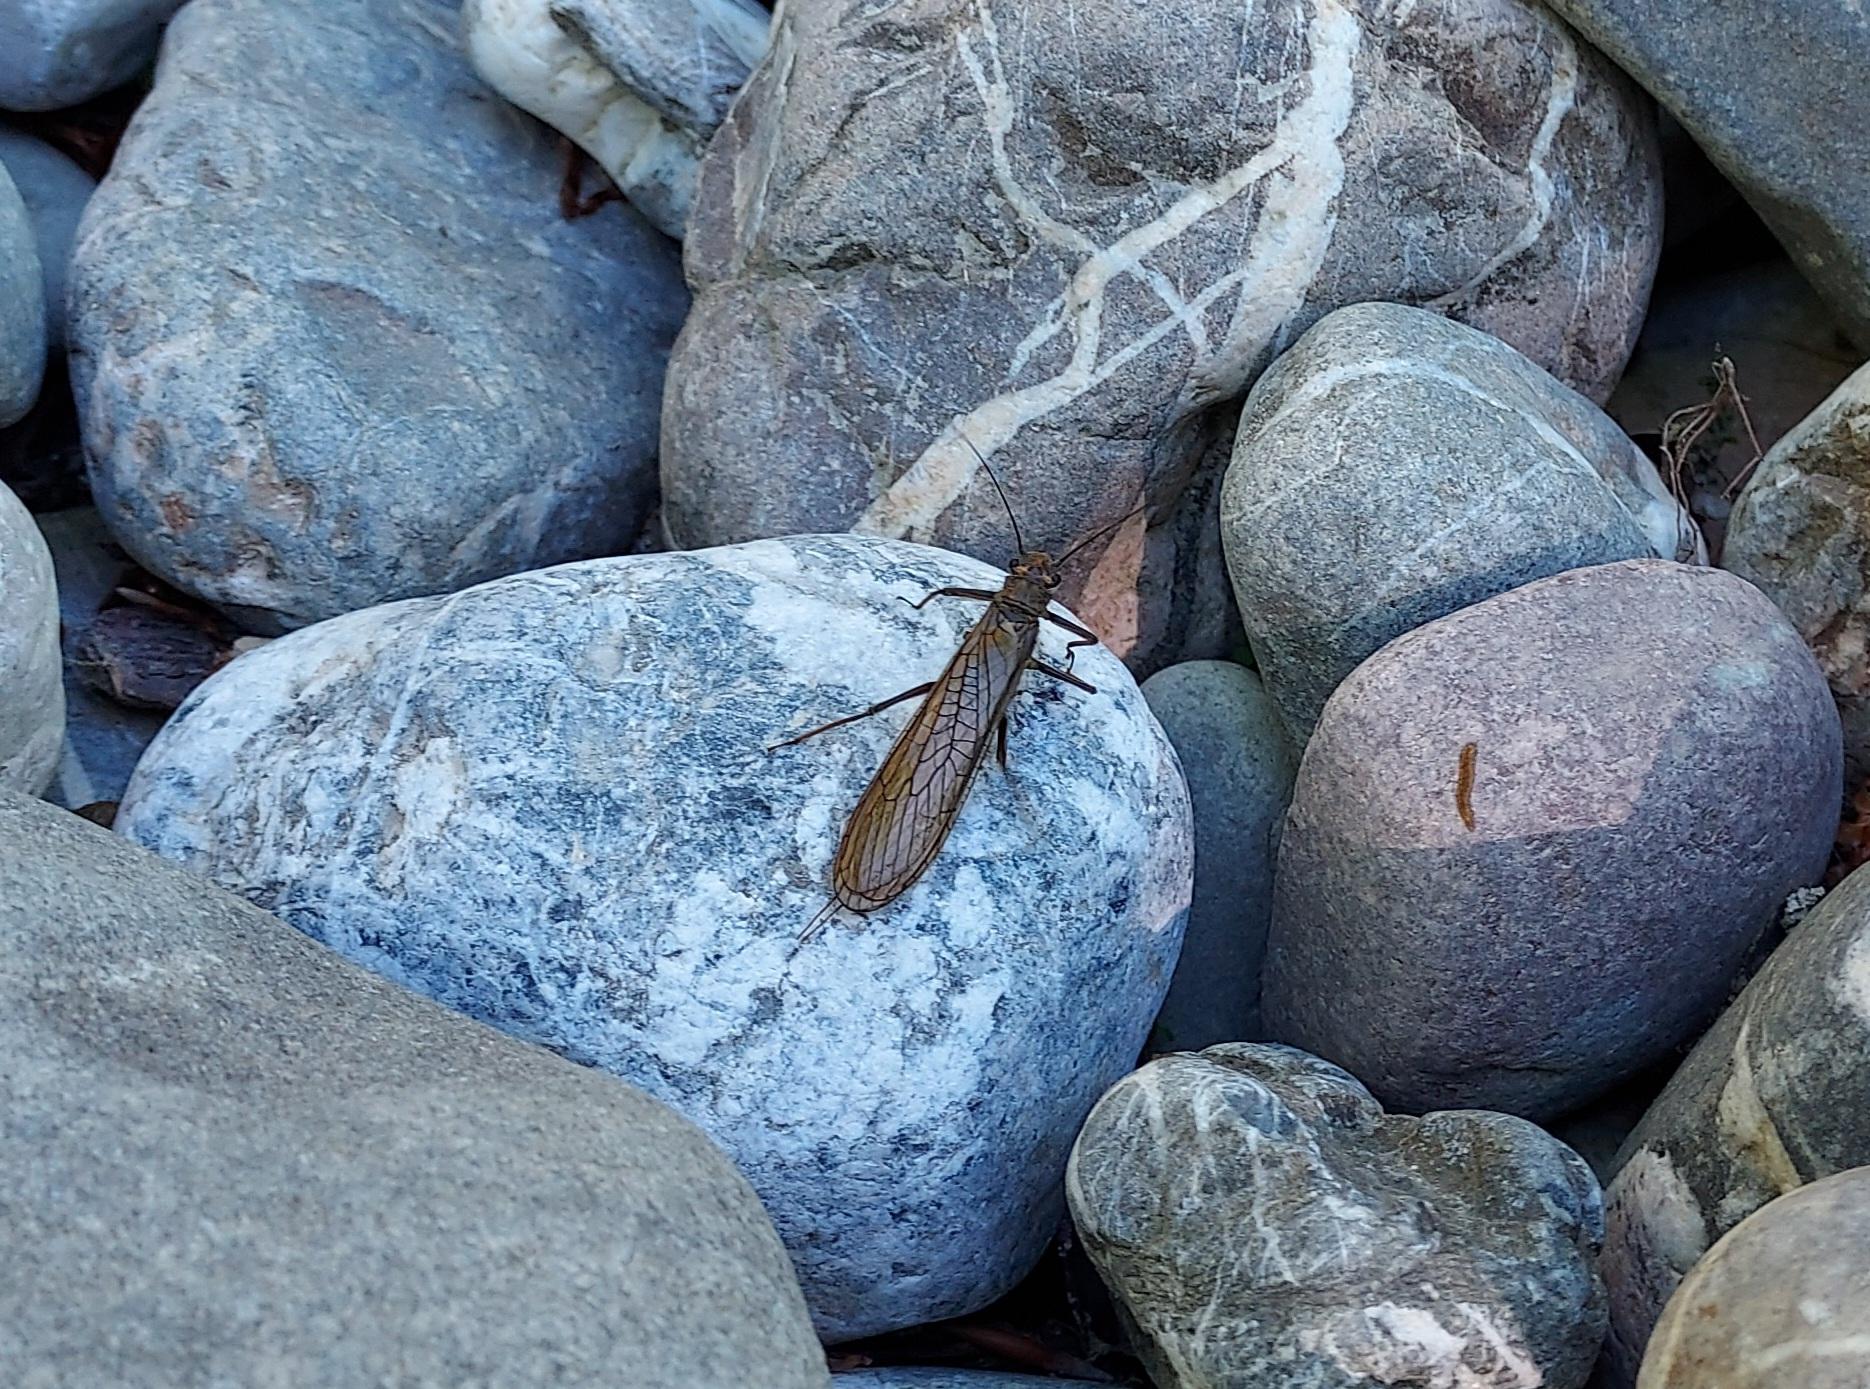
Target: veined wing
[907,810]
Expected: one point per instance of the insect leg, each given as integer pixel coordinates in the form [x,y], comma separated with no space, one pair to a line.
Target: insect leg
[853,718]
[980,593]
[1058,674]
[817,923]
[1001,733]
[1085,637]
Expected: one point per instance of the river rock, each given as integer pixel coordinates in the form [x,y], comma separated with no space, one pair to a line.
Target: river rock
[1772,1097]
[1261,1221]
[55,191]
[1779,1301]
[422,375]
[912,239]
[32,702]
[1777,98]
[1239,769]
[546,801]
[230,1157]
[1532,843]
[56,53]
[639,85]
[1395,466]
[1801,532]
[22,307]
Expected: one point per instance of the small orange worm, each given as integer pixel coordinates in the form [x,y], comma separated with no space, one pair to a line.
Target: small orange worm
[1464,784]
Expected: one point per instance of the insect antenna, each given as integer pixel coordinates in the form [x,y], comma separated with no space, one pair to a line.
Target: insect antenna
[1018,539]
[1103,531]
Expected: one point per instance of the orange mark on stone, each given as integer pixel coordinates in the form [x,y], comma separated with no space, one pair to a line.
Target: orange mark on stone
[1464,784]
[1109,604]
[177,514]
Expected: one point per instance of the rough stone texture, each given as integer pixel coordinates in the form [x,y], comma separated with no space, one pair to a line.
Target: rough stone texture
[908,1377]
[1770,1098]
[228,1157]
[1239,769]
[1780,1301]
[55,191]
[1261,1221]
[1393,467]
[56,53]
[1066,232]
[639,85]
[545,801]
[22,307]
[333,342]
[1656,766]
[1775,94]
[32,704]
[1801,532]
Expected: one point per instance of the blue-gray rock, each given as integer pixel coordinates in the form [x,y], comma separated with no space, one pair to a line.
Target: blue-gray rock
[1771,1098]
[32,702]
[547,801]
[55,191]
[1532,843]
[1775,95]
[1395,466]
[1262,1223]
[1782,1300]
[56,53]
[228,1157]
[333,342]
[1239,768]
[22,307]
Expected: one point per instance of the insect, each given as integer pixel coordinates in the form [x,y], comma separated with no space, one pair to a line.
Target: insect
[905,814]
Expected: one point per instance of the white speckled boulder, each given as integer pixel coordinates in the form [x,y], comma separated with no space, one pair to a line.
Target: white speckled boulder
[1262,1222]
[1395,466]
[1655,764]
[32,692]
[1772,1097]
[546,801]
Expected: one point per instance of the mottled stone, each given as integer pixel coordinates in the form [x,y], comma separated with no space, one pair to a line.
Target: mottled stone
[1801,532]
[1654,765]
[1395,466]
[56,53]
[231,1158]
[32,703]
[22,307]
[55,191]
[1780,1301]
[1262,1222]
[546,801]
[1069,235]
[1239,769]
[639,85]
[1772,1097]
[1776,95]
[333,342]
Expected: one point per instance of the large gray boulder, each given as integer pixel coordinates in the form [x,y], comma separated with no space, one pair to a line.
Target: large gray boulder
[1771,1098]
[546,801]
[1532,843]
[228,1157]
[1262,1222]
[1070,233]
[56,53]
[22,307]
[32,697]
[1782,1300]
[333,342]
[1395,466]
[1801,532]
[55,191]
[1776,95]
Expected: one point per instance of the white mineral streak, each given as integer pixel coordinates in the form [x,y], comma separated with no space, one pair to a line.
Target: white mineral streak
[1289,241]
[1752,1136]
[1387,1343]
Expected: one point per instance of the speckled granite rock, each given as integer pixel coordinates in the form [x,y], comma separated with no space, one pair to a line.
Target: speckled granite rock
[32,701]
[422,376]
[56,53]
[1655,766]
[229,1157]
[1393,467]
[1780,1301]
[912,233]
[22,307]
[1239,769]
[55,191]
[1801,532]
[1262,1222]
[1770,1098]
[545,801]
[1775,94]
[639,85]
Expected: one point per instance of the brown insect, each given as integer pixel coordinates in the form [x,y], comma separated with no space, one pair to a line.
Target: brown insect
[905,814]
